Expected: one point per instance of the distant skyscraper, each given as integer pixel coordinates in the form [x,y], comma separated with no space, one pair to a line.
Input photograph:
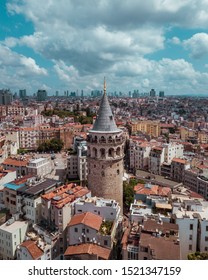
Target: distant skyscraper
[5,97]
[22,94]
[41,95]
[152,93]
[161,94]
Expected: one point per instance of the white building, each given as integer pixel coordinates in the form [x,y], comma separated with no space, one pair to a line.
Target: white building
[90,228]
[12,233]
[139,155]
[77,162]
[173,150]
[192,219]
[39,166]
[156,159]
[106,208]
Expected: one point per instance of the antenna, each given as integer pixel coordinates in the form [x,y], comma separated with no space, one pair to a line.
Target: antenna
[104,86]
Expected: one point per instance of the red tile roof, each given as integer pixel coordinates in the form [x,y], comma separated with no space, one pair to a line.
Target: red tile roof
[162,248]
[33,249]
[65,194]
[90,249]
[179,160]
[151,190]
[88,219]
[15,162]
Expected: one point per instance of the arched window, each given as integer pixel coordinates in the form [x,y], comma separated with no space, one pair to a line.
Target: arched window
[102,153]
[118,151]
[94,152]
[88,151]
[102,139]
[111,152]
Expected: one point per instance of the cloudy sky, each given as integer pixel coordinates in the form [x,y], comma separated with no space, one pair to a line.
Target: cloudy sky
[136,44]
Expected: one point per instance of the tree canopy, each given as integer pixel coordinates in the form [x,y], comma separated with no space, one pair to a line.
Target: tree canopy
[53,145]
[198,256]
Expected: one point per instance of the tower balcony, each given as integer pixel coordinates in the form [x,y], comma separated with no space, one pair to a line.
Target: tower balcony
[104,140]
[107,158]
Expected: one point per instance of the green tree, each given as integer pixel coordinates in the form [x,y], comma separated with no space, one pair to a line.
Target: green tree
[198,256]
[54,145]
[128,191]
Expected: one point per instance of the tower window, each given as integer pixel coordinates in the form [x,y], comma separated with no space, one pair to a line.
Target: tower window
[118,171]
[103,174]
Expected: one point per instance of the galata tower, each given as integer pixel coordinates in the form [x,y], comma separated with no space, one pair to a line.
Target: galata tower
[105,143]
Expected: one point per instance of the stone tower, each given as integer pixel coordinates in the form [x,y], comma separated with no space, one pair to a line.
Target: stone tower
[105,155]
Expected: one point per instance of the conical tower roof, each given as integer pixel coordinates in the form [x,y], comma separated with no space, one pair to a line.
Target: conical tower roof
[105,121]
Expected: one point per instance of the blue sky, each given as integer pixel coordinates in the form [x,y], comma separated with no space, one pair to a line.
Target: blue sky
[71,45]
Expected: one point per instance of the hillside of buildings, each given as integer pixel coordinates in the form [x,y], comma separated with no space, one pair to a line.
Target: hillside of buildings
[151,165]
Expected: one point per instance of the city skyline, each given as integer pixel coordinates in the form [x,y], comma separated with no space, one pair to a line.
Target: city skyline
[68,45]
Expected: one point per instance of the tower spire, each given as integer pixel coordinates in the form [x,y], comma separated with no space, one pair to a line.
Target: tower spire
[104,86]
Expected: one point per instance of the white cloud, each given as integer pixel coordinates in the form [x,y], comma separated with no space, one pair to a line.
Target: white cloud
[15,68]
[89,39]
[175,40]
[197,45]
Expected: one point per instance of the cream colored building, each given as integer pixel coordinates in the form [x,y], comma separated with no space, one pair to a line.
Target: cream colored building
[12,233]
[39,166]
[149,127]
[203,137]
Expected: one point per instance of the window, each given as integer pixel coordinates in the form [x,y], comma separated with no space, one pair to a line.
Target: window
[206,238]
[190,247]
[190,237]
[206,228]
[76,229]
[191,227]
[106,242]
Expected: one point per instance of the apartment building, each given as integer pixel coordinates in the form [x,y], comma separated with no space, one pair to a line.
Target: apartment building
[39,166]
[108,209]
[153,240]
[139,155]
[156,159]
[187,134]
[12,233]
[18,163]
[91,228]
[23,196]
[192,219]
[149,127]
[77,162]
[28,197]
[58,209]
[178,167]
[33,121]
[173,150]
[31,137]
[203,137]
